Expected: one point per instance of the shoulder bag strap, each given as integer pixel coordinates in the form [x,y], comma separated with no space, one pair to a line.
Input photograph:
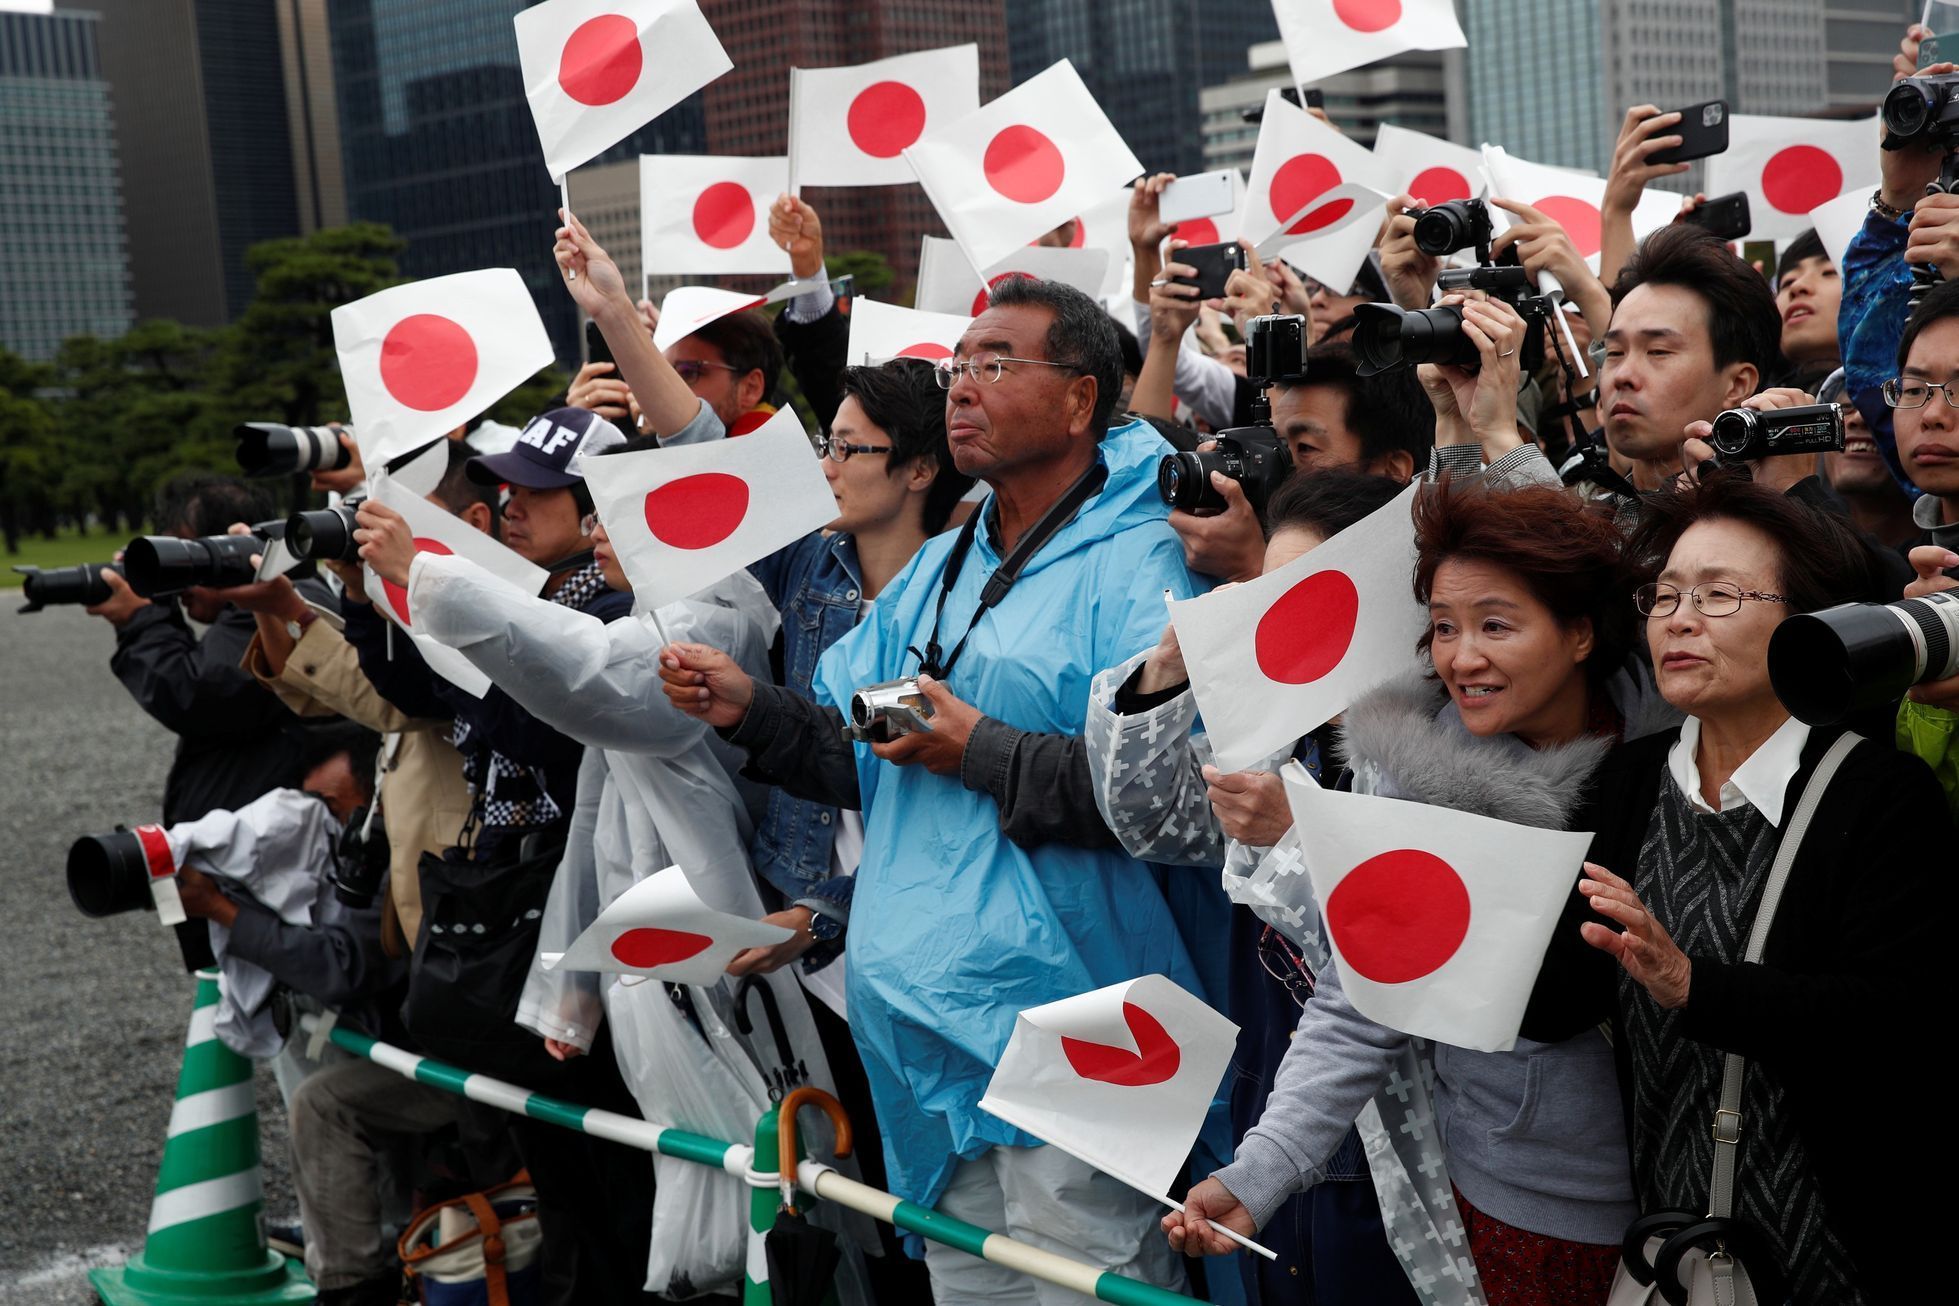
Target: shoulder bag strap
[1727,1119]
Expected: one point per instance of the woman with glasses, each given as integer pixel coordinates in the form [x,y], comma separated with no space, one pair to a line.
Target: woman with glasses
[1516,1162]
[1828,1158]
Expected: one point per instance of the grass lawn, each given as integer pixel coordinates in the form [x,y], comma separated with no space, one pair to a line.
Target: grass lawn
[70,548]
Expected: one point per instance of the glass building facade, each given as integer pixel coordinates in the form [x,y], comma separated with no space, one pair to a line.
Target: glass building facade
[64,265]
[437,142]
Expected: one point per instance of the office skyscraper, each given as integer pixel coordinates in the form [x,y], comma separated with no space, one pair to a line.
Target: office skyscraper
[63,259]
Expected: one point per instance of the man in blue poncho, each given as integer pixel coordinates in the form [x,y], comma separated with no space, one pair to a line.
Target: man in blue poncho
[988,884]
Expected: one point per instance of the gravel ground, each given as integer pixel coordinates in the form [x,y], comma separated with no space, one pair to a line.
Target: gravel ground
[94,1010]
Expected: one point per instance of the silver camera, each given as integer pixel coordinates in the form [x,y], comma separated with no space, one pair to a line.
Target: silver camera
[881,713]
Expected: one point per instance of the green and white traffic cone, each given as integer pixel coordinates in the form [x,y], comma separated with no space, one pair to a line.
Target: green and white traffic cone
[206,1241]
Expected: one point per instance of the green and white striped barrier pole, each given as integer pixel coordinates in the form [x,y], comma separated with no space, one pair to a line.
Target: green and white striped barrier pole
[811,1176]
[206,1239]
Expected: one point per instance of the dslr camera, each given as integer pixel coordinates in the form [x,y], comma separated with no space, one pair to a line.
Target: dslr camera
[1743,435]
[269,449]
[325,534]
[157,565]
[1254,456]
[883,712]
[360,859]
[81,584]
[1826,665]
[1445,229]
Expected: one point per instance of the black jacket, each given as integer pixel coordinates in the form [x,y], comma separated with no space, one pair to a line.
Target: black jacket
[817,353]
[235,739]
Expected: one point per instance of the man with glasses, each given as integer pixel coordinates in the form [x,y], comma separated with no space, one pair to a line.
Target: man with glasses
[1062,571]
[1924,421]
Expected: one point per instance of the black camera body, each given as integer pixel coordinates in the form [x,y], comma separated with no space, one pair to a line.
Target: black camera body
[156,565]
[271,449]
[81,584]
[1743,435]
[1448,228]
[325,534]
[1254,456]
[1387,336]
[1922,110]
[360,859]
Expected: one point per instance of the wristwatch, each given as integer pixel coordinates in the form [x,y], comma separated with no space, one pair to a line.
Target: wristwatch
[297,626]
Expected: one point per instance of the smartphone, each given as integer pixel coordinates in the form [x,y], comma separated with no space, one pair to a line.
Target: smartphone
[1214,264]
[1200,195]
[1315,98]
[596,350]
[1725,216]
[1703,130]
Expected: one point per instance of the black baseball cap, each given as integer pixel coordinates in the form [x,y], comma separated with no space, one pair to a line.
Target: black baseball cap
[542,456]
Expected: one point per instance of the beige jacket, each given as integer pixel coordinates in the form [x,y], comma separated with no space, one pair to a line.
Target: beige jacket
[426,801]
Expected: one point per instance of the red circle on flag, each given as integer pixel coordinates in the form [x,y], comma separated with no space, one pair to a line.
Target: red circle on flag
[1399,916]
[428,362]
[647,947]
[1154,1061]
[981,300]
[697,512]
[724,215]
[928,349]
[1797,179]
[398,594]
[1023,164]
[601,61]
[1296,182]
[1439,185]
[1198,231]
[1306,633]
[1579,219]
[885,118]
[1368,15]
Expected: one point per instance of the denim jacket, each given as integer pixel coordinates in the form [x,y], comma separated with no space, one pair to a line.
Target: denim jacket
[1876,302]
[817,586]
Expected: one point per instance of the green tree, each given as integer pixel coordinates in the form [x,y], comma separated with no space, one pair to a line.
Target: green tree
[29,450]
[871,269]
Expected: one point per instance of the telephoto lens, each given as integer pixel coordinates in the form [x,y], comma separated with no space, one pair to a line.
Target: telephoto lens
[1826,665]
[1387,336]
[269,449]
[79,585]
[325,534]
[108,874]
[164,564]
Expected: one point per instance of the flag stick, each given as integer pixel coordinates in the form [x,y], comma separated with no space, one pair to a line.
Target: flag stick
[564,198]
[1232,1234]
[653,615]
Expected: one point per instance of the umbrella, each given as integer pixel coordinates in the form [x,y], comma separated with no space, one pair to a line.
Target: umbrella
[802,1258]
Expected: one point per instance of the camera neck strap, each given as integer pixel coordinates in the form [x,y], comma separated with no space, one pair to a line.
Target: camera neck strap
[933,661]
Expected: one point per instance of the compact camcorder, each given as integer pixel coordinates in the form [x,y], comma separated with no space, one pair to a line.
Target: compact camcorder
[1743,435]
[1254,456]
[269,449]
[1826,665]
[1917,112]
[881,713]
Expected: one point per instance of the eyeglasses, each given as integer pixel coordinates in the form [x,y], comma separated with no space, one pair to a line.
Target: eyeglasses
[691,369]
[1910,392]
[1285,965]
[589,523]
[839,452]
[1714,599]
[986,367]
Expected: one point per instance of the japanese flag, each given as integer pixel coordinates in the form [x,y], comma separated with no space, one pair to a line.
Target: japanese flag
[682,518]
[1299,170]
[1104,226]
[1439,919]
[707,214]
[947,282]
[882,331]
[851,126]
[1789,166]
[1022,165]
[596,71]
[420,360]
[1278,656]
[442,533]
[662,930]
[1570,199]
[1121,1078]
[1429,168]
[686,309]
[1323,37]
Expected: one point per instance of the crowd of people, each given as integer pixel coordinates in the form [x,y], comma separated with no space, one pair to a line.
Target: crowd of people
[1595,659]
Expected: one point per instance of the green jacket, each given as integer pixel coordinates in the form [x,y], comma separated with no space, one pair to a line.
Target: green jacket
[1932,734]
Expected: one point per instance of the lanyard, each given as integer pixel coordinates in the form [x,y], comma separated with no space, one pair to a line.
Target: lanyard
[933,662]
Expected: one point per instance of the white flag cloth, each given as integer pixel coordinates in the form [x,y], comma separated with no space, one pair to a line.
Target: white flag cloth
[1439,918]
[439,532]
[1104,226]
[1022,165]
[1332,255]
[1278,656]
[682,518]
[686,309]
[1789,166]
[708,214]
[851,126]
[1838,222]
[1429,168]
[882,331]
[1121,1078]
[948,284]
[420,360]
[662,930]
[1298,160]
[1570,199]
[596,71]
[1323,37]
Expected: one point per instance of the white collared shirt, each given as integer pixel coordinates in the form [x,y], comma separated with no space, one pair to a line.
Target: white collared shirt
[1762,781]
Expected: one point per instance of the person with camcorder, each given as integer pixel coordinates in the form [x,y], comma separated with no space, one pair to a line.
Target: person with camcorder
[234,740]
